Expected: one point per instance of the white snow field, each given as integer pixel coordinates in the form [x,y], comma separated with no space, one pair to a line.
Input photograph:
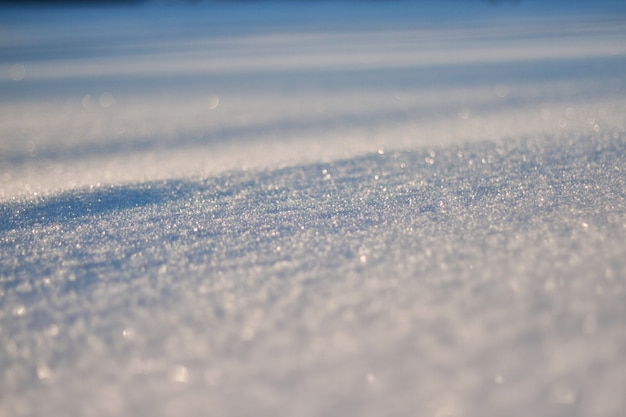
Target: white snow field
[313,210]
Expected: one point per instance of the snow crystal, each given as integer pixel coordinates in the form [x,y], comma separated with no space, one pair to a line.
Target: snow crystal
[272,229]
[434,275]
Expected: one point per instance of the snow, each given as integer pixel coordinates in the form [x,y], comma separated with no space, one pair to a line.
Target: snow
[313,211]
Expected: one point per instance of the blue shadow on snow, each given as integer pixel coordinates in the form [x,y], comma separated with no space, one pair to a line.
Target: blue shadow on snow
[79,204]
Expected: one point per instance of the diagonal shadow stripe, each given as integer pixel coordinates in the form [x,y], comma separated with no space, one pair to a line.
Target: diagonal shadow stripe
[74,205]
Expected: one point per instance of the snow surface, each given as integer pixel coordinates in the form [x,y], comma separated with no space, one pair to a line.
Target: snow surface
[313,210]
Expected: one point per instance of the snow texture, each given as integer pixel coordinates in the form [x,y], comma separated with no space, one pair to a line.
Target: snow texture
[380,233]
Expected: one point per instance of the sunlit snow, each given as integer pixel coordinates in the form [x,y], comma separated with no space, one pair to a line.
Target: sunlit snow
[313,209]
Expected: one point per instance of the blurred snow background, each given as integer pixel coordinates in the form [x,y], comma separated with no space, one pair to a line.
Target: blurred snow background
[313,209]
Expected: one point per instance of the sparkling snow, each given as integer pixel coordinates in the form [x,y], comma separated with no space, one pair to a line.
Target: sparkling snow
[314,211]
